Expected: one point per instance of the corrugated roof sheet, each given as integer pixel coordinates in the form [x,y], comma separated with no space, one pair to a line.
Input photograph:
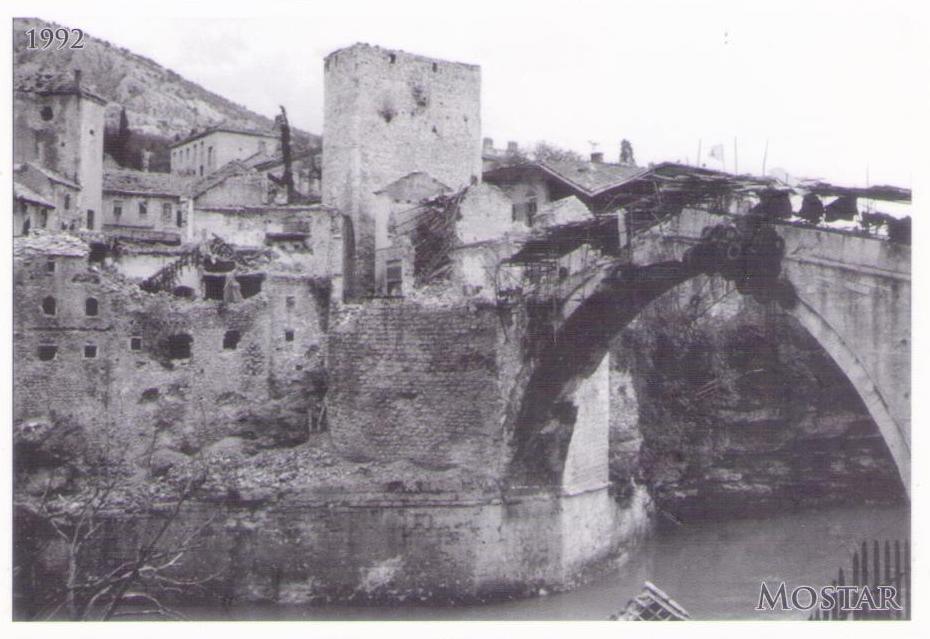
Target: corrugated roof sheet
[46,243]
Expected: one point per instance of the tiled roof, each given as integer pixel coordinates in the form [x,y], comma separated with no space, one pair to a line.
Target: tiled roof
[61,83]
[225,128]
[50,174]
[131,182]
[263,162]
[201,185]
[592,177]
[587,178]
[23,192]
[45,243]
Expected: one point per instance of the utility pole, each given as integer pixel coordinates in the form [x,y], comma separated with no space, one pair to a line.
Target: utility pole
[735,157]
[698,161]
[765,156]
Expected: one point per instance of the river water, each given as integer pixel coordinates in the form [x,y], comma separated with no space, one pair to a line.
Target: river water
[713,569]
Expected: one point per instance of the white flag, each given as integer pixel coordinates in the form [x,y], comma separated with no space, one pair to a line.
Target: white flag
[716,152]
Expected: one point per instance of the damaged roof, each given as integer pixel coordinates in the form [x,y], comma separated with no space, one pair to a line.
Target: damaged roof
[586,178]
[45,243]
[60,83]
[591,178]
[199,186]
[559,240]
[130,182]
[877,192]
[630,184]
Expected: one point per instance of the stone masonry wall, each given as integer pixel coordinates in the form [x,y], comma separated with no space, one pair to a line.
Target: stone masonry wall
[417,382]
[387,114]
[259,392]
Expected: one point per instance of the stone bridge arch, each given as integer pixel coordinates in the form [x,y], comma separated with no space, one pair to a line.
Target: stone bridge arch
[853,297]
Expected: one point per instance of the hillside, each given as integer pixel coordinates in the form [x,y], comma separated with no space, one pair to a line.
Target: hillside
[161,106]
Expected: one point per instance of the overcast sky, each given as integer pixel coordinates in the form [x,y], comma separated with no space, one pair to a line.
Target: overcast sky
[835,89]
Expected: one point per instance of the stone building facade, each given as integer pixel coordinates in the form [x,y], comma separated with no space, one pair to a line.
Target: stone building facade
[94,351]
[206,151]
[388,114]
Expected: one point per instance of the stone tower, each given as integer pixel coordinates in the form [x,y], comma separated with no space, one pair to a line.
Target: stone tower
[387,114]
[58,123]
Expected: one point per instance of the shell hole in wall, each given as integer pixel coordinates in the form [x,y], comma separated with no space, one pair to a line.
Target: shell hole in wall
[250,284]
[179,346]
[214,286]
[231,340]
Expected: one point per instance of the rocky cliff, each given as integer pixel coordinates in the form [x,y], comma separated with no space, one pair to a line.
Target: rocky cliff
[160,104]
[725,407]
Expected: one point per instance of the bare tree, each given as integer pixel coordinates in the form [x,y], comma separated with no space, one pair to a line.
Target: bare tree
[546,151]
[147,574]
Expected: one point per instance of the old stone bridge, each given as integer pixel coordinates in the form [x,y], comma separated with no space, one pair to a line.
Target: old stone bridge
[491,420]
[851,292]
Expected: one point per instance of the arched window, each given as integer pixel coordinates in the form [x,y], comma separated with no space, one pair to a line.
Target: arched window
[91,307]
[49,305]
[47,352]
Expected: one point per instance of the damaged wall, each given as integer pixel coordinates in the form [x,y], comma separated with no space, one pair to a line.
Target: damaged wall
[420,382]
[250,373]
[387,114]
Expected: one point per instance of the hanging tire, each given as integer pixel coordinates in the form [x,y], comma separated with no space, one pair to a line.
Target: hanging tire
[733,252]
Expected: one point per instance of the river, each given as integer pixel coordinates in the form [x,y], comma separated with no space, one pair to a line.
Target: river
[713,569]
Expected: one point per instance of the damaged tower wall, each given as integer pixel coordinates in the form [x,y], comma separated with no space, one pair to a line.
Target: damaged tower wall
[387,114]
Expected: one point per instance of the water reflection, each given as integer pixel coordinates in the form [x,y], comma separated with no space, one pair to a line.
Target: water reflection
[713,569]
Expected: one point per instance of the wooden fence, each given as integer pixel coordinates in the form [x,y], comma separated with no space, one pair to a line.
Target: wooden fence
[873,567]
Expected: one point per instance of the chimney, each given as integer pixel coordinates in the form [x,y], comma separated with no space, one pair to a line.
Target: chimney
[487,144]
[512,147]
[77,78]
[597,157]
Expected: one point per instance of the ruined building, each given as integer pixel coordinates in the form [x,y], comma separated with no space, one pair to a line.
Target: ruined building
[388,114]
[449,334]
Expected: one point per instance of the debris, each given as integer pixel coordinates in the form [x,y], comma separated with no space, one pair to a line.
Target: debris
[652,604]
